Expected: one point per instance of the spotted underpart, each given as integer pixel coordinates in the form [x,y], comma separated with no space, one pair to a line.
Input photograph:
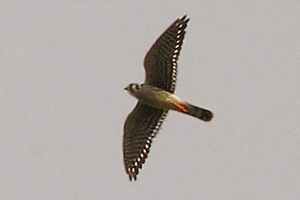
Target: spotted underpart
[161,60]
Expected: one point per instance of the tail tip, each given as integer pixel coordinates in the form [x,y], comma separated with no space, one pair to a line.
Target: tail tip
[207,116]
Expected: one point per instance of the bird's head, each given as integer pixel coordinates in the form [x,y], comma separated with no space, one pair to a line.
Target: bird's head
[133,88]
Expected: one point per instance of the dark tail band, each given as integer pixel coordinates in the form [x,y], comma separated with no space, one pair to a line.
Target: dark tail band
[199,113]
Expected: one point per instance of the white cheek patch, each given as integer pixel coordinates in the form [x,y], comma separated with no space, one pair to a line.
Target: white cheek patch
[133,87]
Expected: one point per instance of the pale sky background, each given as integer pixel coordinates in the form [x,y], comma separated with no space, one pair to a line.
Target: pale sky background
[63,67]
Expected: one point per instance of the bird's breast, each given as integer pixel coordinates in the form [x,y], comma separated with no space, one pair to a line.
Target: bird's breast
[159,99]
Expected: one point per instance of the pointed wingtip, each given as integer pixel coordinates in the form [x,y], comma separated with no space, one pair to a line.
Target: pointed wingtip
[132,177]
[185,18]
[132,173]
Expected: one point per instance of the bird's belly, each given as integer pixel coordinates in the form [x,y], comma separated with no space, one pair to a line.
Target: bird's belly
[161,100]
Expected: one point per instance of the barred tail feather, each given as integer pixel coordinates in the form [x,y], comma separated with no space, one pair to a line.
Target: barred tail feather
[199,113]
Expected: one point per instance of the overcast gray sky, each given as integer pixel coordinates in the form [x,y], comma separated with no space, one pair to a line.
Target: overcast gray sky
[63,67]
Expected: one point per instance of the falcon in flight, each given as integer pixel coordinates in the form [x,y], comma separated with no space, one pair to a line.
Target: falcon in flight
[156,97]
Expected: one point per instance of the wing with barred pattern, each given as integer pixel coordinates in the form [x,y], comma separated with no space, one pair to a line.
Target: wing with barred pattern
[140,128]
[161,60]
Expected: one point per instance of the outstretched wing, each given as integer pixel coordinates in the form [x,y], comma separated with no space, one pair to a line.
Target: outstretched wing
[161,60]
[140,128]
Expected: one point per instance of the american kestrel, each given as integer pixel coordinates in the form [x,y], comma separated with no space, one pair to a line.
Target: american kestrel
[156,97]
